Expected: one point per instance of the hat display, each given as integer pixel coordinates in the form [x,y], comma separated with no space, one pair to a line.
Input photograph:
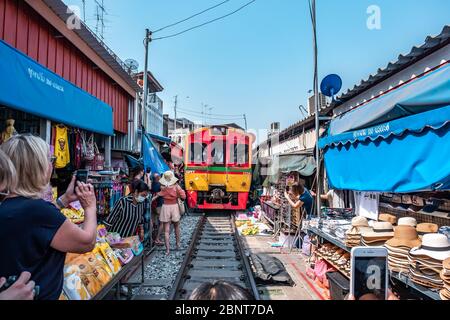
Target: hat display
[384,217]
[424,228]
[407,221]
[405,236]
[380,231]
[445,276]
[434,245]
[168,179]
[360,221]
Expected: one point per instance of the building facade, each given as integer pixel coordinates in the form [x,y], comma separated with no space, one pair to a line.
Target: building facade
[39,30]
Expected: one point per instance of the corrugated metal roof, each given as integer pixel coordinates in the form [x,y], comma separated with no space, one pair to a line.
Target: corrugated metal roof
[60,8]
[431,45]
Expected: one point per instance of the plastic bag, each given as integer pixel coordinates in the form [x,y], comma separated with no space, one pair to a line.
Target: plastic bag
[73,285]
[111,259]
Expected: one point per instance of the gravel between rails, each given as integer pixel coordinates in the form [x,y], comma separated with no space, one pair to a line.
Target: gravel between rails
[167,267]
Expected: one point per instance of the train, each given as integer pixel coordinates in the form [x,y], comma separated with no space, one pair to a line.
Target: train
[218,168]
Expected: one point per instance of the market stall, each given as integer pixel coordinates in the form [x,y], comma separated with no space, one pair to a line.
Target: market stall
[401,192]
[93,275]
[279,173]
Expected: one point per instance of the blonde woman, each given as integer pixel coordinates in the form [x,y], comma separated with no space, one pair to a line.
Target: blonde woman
[34,235]
[170,211]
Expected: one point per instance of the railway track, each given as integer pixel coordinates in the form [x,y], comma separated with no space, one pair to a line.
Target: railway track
[215,253]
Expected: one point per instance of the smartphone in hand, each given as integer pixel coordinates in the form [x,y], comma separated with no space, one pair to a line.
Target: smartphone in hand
[369,273]
[82,176]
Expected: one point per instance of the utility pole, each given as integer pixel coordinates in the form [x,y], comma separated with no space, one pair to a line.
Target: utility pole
[175,109]
[317,107]
[245,120]
[147,40]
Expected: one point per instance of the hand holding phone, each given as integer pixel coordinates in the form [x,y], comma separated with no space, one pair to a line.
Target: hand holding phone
[369,273]
[82,176]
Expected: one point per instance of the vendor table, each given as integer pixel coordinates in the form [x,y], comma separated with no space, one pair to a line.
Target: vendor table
[270,211]
[416,288]
[116,280]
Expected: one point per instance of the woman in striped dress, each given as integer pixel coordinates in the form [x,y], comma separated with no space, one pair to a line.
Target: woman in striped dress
[127,216]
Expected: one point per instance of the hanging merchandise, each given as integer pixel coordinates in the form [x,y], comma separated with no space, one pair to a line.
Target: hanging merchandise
[88,147]
[99,160]
[9,131]
[77,149]
[61,147]
[366,204]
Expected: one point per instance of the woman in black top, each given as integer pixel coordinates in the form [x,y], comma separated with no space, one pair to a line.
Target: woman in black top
[34,234]
[128,213]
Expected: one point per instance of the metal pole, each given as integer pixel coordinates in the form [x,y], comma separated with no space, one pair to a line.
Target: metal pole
[245,119]
[317,107]
[175,109]
[148,39]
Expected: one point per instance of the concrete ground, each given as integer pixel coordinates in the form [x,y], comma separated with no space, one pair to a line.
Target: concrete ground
[295,264]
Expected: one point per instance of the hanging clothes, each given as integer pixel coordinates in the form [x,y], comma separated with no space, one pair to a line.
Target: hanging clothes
[78,153]
[62,153]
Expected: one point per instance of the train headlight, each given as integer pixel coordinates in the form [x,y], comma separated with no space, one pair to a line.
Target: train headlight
[191,183]
[244,184]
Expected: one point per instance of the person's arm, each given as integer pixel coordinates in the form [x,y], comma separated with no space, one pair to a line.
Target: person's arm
[22,289]
[71,238]
[181,193]
[293,204]
[114,215]
[68,197]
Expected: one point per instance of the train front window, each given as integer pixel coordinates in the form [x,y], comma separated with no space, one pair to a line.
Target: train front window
[198,153]
[218,152]
[239,154]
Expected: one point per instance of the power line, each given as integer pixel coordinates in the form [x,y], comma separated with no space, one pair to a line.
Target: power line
[193,16]
[214,114]
[208,22]
[210,117]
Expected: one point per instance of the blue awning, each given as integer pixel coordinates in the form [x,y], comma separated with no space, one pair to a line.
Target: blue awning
[27,86]
[408,154]
[423,94]
[159,138]
[152,157]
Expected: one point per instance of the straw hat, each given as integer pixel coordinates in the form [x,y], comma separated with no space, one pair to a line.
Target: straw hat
[404,236]
[446,264]
[360,222]
[423,228]
[168,179]
[407,221]
[434,245]
[381,230]
[387,218]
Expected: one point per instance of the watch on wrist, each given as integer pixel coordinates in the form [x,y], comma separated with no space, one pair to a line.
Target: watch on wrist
[60,203]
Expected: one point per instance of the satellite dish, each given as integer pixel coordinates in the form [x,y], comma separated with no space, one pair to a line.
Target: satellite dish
[331,85]
[132,65]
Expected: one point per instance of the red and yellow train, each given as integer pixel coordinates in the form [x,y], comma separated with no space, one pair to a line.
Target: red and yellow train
[218,168]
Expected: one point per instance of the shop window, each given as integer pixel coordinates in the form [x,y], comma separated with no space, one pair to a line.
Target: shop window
[23,122]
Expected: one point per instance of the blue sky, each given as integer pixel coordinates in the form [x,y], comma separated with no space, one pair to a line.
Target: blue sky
[259,61]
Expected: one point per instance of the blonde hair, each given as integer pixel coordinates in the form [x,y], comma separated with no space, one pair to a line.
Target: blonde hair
[8,178]
[29,154]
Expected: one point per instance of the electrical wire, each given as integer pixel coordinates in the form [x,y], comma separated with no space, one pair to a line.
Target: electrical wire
[215,114]
[193,16]
[209,117]
[206,23]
